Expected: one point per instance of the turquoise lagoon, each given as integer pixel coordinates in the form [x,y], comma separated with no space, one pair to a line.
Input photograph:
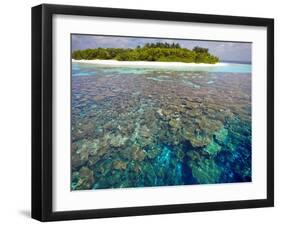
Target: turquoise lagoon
[148,126]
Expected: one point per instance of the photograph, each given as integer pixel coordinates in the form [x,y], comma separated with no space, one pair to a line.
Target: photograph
[154,111]
[141,112]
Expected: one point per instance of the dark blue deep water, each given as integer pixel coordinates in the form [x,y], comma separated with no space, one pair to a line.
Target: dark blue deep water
[137,127]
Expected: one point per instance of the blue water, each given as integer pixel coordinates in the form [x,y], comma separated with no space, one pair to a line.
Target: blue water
[82,69]
[140,127]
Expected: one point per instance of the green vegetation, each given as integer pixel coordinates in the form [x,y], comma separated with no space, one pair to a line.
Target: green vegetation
[164,52]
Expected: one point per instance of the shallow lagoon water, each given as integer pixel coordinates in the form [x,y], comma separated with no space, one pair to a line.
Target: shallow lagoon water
[138,126]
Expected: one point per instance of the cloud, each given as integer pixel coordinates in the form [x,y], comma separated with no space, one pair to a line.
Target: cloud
[225,50]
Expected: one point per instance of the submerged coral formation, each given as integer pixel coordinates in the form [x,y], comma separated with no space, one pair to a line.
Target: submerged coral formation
[179,128]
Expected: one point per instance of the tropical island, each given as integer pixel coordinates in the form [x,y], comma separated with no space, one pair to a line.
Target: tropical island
[159,52]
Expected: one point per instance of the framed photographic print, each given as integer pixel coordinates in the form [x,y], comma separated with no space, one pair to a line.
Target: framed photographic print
[145,112]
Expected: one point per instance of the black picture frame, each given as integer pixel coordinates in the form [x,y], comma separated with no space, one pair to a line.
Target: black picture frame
[42,106]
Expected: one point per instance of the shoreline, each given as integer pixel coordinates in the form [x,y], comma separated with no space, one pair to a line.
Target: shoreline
[146,63]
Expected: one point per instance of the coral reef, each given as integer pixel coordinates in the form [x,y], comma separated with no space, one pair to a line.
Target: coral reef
[135,127]
[205,171]
[118,141]
[83,179]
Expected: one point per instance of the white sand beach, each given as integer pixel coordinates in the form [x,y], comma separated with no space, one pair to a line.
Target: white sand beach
[147,63]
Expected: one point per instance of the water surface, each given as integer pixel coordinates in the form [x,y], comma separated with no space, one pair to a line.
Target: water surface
[141,126]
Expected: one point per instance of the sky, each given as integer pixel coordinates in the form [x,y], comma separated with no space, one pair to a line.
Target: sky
[226,51]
